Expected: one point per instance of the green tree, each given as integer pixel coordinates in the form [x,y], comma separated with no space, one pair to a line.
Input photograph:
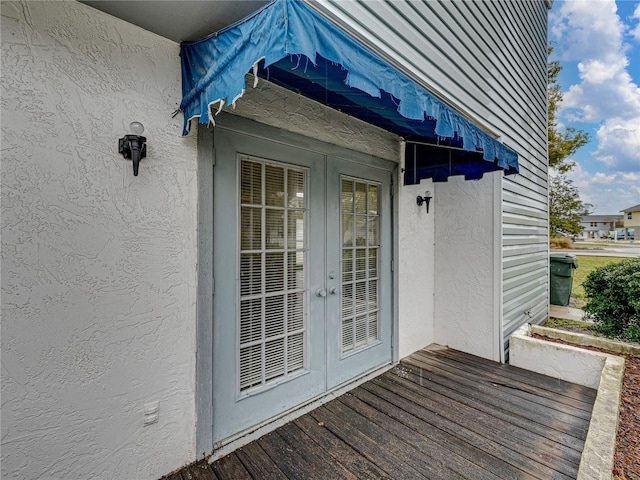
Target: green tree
[565,207]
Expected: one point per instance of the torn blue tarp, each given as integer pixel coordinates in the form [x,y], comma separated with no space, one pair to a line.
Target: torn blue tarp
[291,44]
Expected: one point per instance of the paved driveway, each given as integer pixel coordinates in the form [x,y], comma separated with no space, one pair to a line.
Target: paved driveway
[618,249]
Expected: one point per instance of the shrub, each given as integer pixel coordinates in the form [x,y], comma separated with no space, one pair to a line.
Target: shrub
[560,242]
[613,299]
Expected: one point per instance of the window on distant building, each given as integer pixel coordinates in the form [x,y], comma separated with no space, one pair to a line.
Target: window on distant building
[629,215]
[594,224]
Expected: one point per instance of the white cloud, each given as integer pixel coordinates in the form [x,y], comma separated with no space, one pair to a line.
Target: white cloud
[596,98]
[602,70]
[619,144]
[608,193]
[591,32]
[603,179]
[635,32]
[631,177]
[589,29]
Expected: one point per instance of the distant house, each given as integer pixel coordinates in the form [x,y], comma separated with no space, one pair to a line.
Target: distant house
[598,226]
[631,218]
[283,249]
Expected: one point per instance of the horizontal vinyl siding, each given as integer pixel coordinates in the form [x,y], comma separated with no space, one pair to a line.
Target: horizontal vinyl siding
[489,60]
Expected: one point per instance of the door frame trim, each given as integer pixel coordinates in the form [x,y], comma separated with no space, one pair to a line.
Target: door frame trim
[205,288]
[204,299]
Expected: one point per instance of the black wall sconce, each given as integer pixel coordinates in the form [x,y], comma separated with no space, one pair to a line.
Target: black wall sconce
[426,199]
[134,146]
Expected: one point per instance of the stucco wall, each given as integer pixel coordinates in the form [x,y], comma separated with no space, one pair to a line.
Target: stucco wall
[416,266]
[278,107]
[466,264]
[98,266]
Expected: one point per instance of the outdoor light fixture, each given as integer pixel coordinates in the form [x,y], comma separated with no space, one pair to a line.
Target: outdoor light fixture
[134,145]
[426,199]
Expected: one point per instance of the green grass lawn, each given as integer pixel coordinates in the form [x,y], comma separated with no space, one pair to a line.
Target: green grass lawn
[585,265]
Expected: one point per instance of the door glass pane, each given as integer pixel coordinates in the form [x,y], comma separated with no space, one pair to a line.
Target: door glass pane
[251,183]
[295,271]
[274,228]
[295,189]
[272,307]
[274,272]
[274,180]
[372,201]
[295,352]
[250,228]
[361,230]
[250,324]
[372,230]
[360,264]
[250,274]
[347,265]
[295,312]
[347,229]
[347,195]
[295,229]
[360,198]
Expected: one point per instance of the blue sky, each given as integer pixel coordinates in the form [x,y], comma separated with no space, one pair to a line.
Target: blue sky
[598,45]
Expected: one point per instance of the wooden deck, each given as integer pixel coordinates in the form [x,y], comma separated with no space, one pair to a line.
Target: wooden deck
[440,414]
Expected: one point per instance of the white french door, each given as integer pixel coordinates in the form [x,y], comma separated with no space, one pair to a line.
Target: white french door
[302,277]
[358,255]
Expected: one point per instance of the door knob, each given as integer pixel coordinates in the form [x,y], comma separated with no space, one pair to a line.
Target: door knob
[321,292]
[333,290]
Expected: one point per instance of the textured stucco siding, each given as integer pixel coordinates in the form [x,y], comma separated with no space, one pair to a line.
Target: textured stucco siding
[278,107]
[98,266]
[466,305]
[416,267]
[488,59]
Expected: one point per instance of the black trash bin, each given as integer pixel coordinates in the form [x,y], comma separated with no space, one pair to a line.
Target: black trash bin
[561,273]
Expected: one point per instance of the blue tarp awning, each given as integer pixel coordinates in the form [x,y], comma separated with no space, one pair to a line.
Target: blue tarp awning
[291,44]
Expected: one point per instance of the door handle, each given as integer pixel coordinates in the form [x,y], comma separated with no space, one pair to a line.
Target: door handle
[321,292]
[333,290]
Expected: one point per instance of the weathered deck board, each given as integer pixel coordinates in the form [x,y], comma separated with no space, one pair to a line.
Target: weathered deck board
[513,436]
[258,463]
[500,400]
[520,386]
[434,453]
[371,448]
[198,471]
[440,414]
[542,384]
[401,411]
[516,454]
[230,467]
[341,451]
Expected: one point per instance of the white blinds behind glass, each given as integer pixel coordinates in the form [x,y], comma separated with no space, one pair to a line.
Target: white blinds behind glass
[272,272]
[360,260]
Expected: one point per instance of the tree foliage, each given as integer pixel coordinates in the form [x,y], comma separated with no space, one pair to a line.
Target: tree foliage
[565,207]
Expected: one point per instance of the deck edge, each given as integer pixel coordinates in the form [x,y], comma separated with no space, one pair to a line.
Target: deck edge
[597,459]
[600,446]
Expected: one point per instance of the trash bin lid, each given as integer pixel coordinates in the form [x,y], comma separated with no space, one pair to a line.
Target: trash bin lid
[564,258]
